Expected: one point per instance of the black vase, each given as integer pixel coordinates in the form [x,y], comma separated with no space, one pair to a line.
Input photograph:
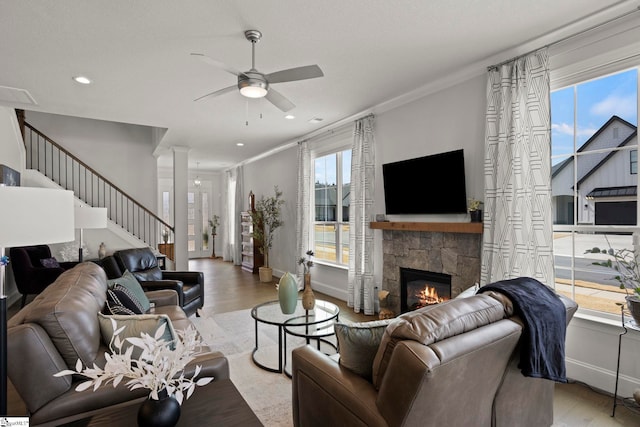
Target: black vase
[164,412]
[476,216]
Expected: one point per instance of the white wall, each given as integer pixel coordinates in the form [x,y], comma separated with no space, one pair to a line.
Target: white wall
[12,154]
[122,153]
[447,120]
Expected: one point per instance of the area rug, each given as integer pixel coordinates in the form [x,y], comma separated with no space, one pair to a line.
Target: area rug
[268,394]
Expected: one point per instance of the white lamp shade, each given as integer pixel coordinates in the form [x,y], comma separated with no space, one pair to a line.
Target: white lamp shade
[88,217]
[33,216]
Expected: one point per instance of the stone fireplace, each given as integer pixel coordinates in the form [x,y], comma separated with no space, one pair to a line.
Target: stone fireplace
[454,253]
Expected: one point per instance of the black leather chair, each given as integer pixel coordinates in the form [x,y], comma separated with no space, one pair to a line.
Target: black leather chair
[29,272]
[143,263]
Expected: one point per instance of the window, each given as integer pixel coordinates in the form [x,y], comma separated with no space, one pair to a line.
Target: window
[332,187]
[594,184]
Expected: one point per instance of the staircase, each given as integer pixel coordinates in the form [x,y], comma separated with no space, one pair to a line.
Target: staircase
[56,163]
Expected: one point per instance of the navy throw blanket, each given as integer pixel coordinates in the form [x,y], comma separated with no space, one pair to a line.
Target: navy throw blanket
[545,323]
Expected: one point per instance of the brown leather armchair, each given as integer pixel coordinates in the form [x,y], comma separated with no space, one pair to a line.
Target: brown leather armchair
[31,276]
[144,265]
[457,366]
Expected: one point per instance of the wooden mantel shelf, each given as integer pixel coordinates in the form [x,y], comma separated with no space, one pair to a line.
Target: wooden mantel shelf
[443,227]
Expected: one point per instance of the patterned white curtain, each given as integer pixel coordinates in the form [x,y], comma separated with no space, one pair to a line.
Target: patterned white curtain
[303,206]
[360,290]
[518,225]
[227,214]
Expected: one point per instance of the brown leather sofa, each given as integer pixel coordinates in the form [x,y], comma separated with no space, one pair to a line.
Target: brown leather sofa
[458,367]
[60,326]
[144,265]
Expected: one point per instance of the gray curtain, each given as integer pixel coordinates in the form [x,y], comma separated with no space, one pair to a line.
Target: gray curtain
[303,207]
[238,208]
[360,289]
[518,224]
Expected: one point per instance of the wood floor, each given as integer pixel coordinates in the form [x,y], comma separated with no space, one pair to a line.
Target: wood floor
[229,288]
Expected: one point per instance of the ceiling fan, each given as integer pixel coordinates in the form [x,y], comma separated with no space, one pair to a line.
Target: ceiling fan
[254,84]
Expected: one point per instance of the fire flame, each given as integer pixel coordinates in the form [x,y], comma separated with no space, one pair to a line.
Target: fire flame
[428,296]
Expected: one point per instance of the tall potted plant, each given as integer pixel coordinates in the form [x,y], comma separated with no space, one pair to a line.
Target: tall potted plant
[214,222]
[266,219]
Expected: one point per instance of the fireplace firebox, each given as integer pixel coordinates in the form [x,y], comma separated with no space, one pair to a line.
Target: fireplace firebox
[419,288]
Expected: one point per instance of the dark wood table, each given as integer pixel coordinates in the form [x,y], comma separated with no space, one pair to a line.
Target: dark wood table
[216,404]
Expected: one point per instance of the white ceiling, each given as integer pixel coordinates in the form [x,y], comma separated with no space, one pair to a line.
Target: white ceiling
[138,55]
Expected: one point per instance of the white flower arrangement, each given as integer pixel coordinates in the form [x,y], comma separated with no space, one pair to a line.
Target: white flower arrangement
[158,367]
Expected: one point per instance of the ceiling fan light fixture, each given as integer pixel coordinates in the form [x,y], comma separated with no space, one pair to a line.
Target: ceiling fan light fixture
[253,85]
[253,91]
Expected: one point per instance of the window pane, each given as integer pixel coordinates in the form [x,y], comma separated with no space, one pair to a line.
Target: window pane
[595,286]
[325,187]
[205,221]
[633,161]
[166,207]
[562,122]
[191,245]
[191,198]
[346,184]
[345,243]
[606,189]
[325,242]
[191,230]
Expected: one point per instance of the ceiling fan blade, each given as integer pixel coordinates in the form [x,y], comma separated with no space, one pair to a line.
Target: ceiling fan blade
[218,92]
[218,64]
[277,99]
[293,74]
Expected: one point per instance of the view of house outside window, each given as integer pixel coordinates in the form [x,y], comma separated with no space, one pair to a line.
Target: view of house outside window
[594,184]
[332,188]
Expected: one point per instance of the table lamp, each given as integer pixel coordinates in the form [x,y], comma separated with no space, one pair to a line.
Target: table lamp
[88,217]
[28,216]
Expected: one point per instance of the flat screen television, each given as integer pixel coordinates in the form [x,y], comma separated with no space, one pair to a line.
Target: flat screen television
[432,184]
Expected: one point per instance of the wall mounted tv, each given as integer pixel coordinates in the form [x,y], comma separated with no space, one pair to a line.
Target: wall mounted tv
[432,184]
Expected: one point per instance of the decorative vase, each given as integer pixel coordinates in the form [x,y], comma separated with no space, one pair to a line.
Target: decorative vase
[633,304]
[102,250]
[288,293]
[163,412]
[476,216]
[308,298]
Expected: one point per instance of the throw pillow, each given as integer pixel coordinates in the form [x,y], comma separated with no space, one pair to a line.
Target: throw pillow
[128,280]
[50,263]
[469,292]
[121,301]
[134,326]
[358,344]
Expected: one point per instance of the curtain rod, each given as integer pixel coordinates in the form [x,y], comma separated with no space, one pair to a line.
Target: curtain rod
[338,128]
[586,30]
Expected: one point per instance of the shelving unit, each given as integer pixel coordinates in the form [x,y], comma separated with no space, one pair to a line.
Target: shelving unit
[252,259]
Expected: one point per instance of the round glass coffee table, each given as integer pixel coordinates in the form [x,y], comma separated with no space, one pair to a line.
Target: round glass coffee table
[316,324]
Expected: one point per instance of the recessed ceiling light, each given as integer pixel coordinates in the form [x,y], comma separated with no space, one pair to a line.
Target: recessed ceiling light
[240,144]
[82,80]
[290,117]
[315,120]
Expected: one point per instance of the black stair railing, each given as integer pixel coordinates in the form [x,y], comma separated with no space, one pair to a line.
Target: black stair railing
[59,165]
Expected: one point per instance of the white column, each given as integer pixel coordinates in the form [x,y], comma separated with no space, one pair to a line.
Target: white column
[180,189]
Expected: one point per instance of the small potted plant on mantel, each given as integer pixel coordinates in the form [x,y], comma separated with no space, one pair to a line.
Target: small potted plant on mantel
[474,210]
[266,219]
[625,262]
